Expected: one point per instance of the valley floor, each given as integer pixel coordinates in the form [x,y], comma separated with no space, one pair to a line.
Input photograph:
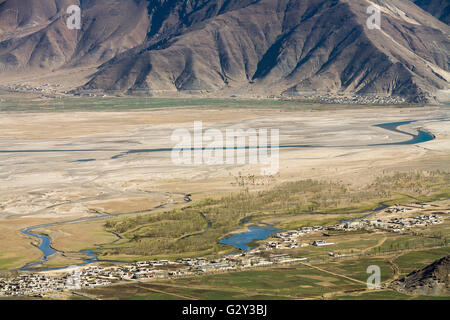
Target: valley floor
[81,164]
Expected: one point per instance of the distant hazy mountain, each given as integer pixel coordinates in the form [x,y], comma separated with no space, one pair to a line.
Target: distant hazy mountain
[438,8]
[241,47]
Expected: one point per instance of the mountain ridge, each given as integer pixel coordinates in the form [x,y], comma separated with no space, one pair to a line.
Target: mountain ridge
[236,48]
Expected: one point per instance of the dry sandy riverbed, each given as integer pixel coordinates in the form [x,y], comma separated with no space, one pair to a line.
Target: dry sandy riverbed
[54,184]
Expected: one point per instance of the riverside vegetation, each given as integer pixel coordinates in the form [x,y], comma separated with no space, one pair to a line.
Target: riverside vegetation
[196,230]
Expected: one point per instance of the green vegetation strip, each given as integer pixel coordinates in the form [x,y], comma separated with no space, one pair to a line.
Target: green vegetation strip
[196,230]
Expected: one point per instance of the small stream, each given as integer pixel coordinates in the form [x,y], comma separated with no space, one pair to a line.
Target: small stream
[47,250]
[91,257]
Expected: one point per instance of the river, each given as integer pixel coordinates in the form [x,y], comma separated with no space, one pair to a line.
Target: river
[240,241]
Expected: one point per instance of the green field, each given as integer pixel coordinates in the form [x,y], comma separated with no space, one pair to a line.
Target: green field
[356,268]
[27,103]
[283,283]
[338,279]
[411,261]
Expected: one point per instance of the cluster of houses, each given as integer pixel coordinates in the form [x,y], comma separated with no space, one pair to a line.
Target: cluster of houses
[94,275]
[40,284]
[398,224]
[357,99]
[293,238]
[35,284]
[396,209]
[23,88]
[401,224]
[28,88]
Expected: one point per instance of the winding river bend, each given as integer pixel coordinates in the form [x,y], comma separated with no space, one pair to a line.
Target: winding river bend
[240,241]
[420,137]
[91,257]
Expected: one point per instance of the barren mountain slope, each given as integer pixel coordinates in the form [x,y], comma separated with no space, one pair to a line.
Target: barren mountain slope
[282,46]
[34,34]
[232,47]
[438,8]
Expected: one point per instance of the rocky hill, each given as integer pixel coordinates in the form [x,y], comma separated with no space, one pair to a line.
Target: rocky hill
[431,280]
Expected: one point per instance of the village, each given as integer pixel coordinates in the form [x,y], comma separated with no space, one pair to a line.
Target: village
[39,284]
[360,99]
[293,238]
